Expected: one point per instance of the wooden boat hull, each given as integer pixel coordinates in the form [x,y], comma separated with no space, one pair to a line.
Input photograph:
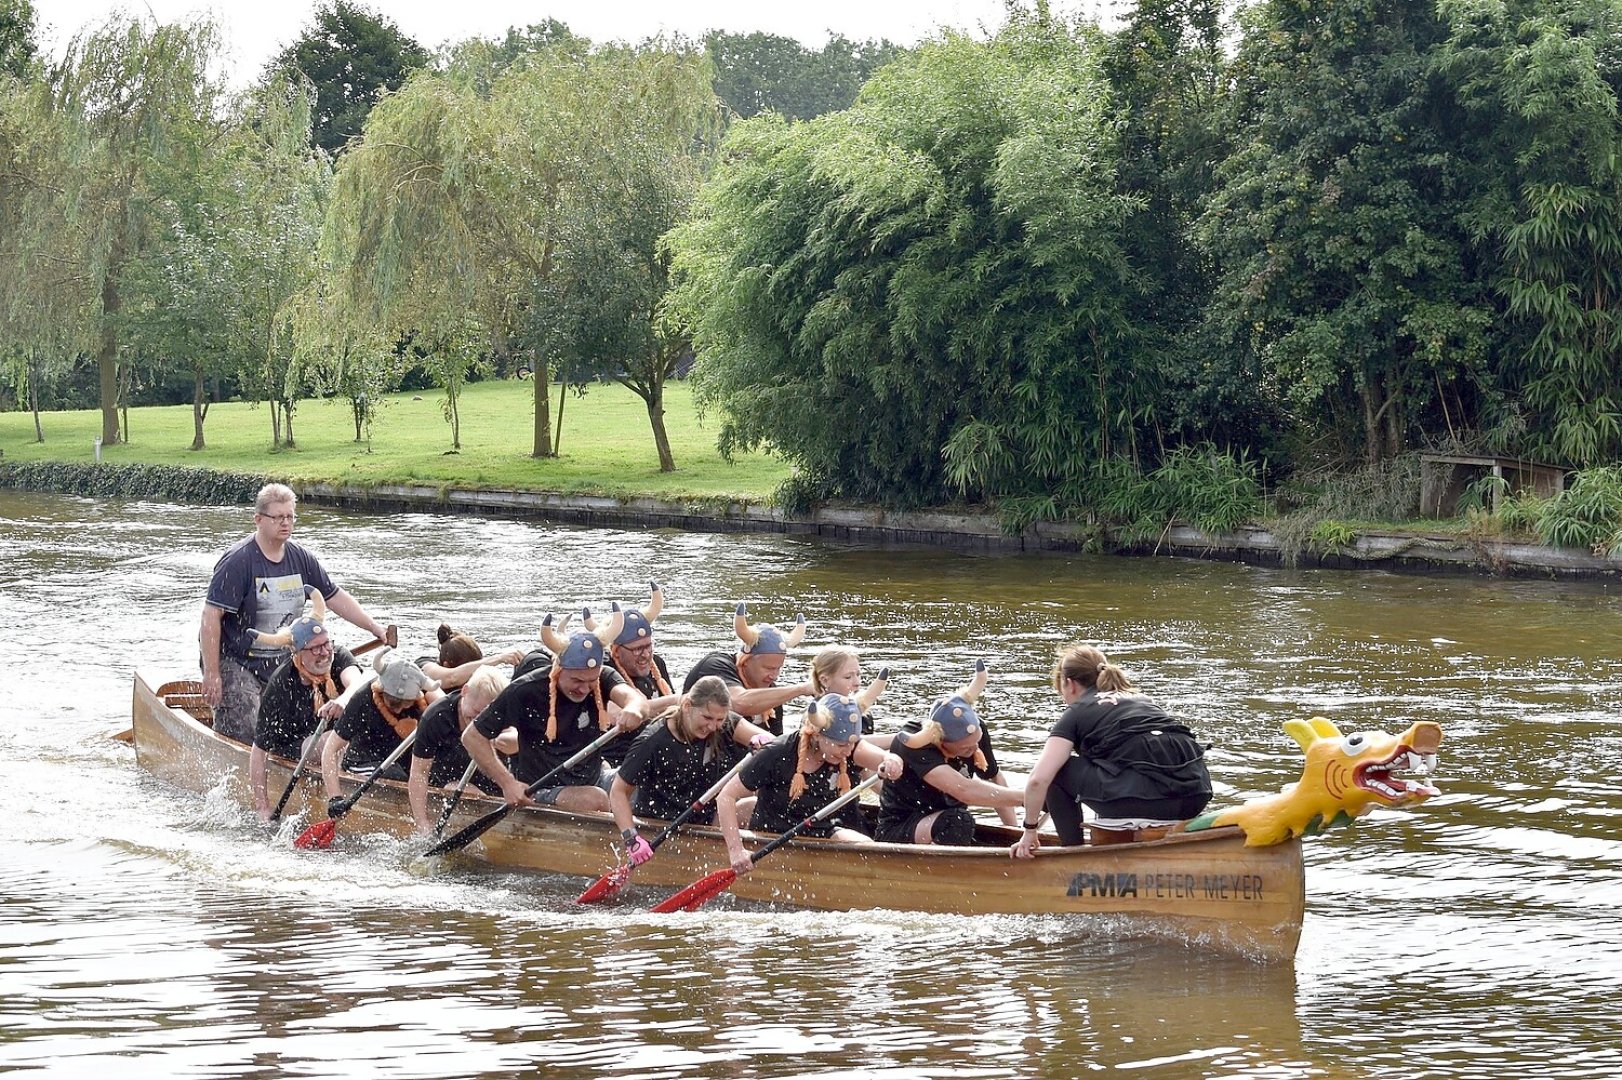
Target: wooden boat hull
[1204,888]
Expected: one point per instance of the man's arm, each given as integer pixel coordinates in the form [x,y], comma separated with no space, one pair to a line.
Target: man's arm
[348,607]
[332,756]
[417,791]
[481,750]
[763,699]
[208,642]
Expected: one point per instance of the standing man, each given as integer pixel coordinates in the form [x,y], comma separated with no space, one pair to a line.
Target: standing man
[260,585]
[752,673]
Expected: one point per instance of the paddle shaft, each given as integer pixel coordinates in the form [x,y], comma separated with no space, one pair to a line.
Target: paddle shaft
[456,797]
[831,808]
[344,807]
[488,821]
[304,759]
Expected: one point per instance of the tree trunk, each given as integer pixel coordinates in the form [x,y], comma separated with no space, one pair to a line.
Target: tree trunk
[287,408]
[456,418]
[557,440]
[33,396]
[543,410]
[275,423]
[107,357]
[655,402]
[1371,419]
[199,408]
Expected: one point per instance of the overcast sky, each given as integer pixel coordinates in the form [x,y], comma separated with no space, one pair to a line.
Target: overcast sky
[257,29]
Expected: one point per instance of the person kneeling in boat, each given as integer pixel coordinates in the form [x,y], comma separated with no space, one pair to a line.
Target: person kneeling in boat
[678,758]
[753,671]
[802,772]
[459,657]
[438,758]
[375,724]
[950,767]
[303,690]
[557,711]
[1114,751]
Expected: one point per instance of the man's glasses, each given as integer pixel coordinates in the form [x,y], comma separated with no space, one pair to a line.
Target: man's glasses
[280,519]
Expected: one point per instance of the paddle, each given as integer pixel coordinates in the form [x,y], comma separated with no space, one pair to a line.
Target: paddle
[321,833]
[472,832]
[699,892]
[456,797]
[609,885]
[391,638]
[304,759]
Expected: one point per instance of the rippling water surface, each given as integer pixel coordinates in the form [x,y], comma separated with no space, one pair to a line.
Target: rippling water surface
[148,931]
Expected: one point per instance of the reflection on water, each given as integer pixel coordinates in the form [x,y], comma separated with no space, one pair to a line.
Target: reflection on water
[152,933]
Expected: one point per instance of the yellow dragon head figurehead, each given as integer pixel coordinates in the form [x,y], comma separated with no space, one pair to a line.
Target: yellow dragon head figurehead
[1344,776]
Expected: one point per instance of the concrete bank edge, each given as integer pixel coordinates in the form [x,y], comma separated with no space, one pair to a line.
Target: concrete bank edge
[971,532]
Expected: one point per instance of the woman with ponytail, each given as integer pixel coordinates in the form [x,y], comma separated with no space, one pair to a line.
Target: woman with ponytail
[800,773]
[950,766]
[1115,752]
[677,758]
[459,657]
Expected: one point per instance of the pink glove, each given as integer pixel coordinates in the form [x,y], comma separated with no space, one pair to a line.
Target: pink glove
[638,850]
[760,741]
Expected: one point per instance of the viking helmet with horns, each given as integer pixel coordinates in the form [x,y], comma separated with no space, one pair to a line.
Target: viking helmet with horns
[955,713]
[584,648]
[763,638]
[301,631]
[638,624]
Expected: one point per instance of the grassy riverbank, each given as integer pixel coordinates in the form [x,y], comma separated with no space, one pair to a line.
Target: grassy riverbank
[607,446]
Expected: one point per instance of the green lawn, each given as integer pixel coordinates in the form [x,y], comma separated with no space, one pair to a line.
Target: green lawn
[607,446]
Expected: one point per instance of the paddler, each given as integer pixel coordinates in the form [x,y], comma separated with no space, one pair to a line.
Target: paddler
[752,672]
[374,724]
[557,710]
[800,773]
[950,767]
[315,682]
[438,758]
[677,758]
[632,654]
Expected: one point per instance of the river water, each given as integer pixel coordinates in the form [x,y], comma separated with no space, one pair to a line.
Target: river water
[147,931]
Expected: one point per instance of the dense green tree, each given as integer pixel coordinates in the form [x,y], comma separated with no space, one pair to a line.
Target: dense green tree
[1336,220]
[353,56]
[758,72]
[925,293]
[1540,86]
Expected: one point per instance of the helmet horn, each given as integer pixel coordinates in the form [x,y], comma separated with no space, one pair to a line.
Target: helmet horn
[971,692]
[740,626]
[796,635]
[655,605]
[554,639]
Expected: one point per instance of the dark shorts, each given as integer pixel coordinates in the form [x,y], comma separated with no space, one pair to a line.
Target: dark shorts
[237,714]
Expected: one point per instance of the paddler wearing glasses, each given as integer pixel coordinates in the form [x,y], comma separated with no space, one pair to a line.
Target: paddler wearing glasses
[558,709]
[752,672]
[315,682]
[632,654]
[677,758]
[799,774]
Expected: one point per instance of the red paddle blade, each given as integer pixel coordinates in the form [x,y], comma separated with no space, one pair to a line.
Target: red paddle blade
[698,893]
[318,835]
[606,887]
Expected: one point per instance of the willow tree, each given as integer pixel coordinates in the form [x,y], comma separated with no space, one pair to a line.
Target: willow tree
[109,113]
[473,188]
[925,295]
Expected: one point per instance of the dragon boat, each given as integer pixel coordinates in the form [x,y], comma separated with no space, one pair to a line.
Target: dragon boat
[1229,881]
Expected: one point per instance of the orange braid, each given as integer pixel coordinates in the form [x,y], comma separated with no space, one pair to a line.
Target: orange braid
[810,761]
[603,722]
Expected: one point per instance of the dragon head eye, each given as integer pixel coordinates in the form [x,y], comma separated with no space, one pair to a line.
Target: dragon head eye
[1353,744]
